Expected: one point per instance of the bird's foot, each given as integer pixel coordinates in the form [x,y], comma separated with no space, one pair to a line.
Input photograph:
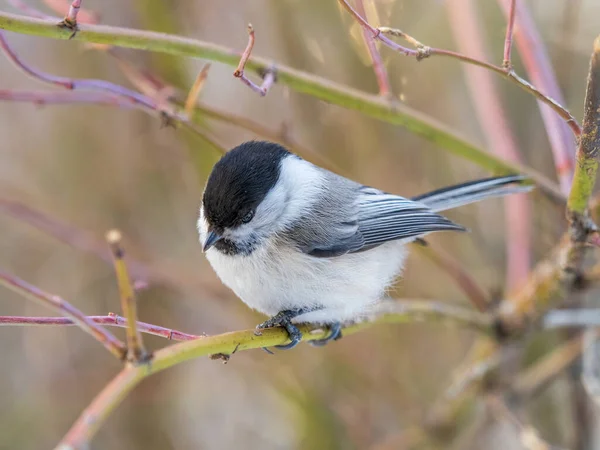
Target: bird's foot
[335,333]
[284,319]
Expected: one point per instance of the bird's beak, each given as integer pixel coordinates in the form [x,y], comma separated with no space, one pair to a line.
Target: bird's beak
[211,240]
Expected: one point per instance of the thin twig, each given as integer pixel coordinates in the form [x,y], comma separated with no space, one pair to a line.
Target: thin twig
[192,98]
[70,20]
[424,51]
[496,127]
[82,15]
[317,87]
[378,67]
[106,338]
[535,378]
[507,62]
[538,65]
[135,346]
[74,84]
[475,293]
[269,76]
[111,319]
[113,394]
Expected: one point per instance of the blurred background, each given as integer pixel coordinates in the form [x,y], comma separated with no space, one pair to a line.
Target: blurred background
[69,173]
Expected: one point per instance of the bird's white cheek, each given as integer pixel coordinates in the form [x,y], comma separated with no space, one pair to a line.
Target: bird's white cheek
[202,226]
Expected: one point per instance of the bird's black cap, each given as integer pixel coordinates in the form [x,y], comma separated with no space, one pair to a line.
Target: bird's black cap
[240,181]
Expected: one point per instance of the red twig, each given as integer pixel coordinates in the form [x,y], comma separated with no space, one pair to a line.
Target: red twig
[507,62]
[269,76]
[424,51]
[107,339]
[75,84]
[492,118]
[378,66]
[111,319]
[73,10]
[377,33]
[42,98]
[539,68]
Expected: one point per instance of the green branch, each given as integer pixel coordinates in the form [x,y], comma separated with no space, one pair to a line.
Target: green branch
[589,146]
[330,92]
[90,421]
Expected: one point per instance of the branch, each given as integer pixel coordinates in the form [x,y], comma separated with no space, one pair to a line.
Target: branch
[539,69]
[192,98]
[269,76]
[110,320]
[70,20]
[496,127]
[135,347]
[507,61]
[98,411]
[424,51]
[478,297]
[107,339]
[589,147]
[370,105]
[383,81]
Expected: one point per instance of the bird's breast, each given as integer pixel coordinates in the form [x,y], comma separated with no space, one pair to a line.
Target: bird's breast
[276,277]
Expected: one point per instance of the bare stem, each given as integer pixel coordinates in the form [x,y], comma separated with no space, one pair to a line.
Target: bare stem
[135,346]
[113,394]
[319,88]
[424,51]
[538,65]
[107,339]
[448,264]
[73,11]
[192,98]
[269,76]
[507,62]
[378,66]
[491,115]
[111,319]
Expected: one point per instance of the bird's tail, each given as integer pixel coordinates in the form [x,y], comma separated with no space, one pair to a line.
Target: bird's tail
[473,191]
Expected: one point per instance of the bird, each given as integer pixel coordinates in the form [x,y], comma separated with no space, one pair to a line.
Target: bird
[302,244]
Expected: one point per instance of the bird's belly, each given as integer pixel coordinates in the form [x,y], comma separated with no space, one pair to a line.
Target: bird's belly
[333,289]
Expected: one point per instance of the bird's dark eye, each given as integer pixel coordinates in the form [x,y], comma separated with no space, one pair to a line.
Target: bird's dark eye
[248,217]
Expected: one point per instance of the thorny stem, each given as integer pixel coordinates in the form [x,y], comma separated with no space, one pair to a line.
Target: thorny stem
[106,338]
[135,346]
[111,319]
[423,52]
[507,62]
[269,75]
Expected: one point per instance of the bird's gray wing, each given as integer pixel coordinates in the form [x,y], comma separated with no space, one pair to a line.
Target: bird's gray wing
[385,217]
[354,218]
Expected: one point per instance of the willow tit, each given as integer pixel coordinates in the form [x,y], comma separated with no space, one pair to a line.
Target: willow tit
[305,245]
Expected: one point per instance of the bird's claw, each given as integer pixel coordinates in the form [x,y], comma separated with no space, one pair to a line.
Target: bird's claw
[334,334]
[284,319]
